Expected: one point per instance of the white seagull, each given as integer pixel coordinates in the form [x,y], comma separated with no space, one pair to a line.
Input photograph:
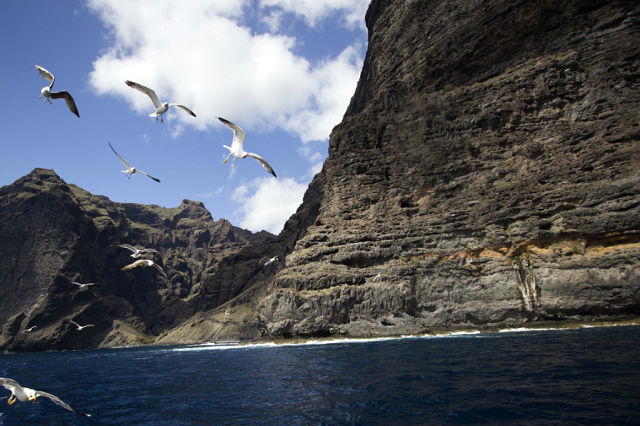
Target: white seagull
[83,285]
[238,151]
[30,329]
[145,262]
[80,327]
[26,394]
[136,253]
[271,260]
[48,94]
[160,107]
[130,169]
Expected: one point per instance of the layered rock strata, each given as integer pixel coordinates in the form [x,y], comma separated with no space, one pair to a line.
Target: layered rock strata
[486,173]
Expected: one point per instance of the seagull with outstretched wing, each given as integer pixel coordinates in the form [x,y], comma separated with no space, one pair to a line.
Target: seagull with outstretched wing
[130,169]
[136,252]
[237,150]
[48,94]
[80,327]
[82,285]
[24,394]
[161,107]
[144,262]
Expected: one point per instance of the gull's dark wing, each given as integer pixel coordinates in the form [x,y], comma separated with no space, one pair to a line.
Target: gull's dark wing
[61,403]
[184,108]
[263,162]
[148,175]
[68,99]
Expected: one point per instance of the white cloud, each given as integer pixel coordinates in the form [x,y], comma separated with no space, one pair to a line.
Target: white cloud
[200,53]
[197,53]
[270,204]
[314,10]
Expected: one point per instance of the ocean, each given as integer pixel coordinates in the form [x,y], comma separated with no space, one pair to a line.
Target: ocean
[526,377]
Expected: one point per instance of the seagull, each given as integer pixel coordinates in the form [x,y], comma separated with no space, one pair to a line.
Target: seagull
[83,285]
[48,94]
[377,277]
[271,260]
[160,107]
[80,327]
[136,253]
[130,169]
[27,394]
[145,262]
[30,329]
[237,150]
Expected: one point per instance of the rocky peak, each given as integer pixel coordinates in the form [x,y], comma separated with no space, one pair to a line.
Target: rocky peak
[52,233]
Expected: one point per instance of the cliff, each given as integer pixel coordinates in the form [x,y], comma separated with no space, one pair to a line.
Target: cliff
[53,233]
[486,173]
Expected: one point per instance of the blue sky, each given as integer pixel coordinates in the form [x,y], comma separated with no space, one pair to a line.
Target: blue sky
[283,70]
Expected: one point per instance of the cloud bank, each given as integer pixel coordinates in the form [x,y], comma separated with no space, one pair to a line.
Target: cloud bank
[200,54]
[205,54]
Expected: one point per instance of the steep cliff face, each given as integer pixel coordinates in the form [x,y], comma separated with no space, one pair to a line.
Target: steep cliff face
[52,233]
[487,172]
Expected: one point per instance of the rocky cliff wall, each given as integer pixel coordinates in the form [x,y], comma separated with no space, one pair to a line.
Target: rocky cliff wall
[486,173]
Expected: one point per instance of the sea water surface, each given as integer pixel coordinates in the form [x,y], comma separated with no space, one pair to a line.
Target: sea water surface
[579,376]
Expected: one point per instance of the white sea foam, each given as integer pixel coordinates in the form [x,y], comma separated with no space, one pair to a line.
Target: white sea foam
[354,340]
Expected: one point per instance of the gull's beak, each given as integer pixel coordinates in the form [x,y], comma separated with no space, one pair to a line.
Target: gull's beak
[32,398]
[225,161]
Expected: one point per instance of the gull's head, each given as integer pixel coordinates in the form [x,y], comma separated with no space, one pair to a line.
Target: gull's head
[46,92]
[31,394]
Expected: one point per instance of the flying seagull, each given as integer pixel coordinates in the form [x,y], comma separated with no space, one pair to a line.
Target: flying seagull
[30,329]
[136,253]
[83,285]
[238,151]
[130,169]
[160,107]
[145,262]
[80,327]
[48,94]
[27,394]
[271,260]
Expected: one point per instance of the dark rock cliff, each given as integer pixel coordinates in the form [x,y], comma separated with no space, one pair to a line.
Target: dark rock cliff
[52,233]
[486,173]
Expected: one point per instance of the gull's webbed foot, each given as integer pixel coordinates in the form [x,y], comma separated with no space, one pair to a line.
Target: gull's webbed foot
[11,399]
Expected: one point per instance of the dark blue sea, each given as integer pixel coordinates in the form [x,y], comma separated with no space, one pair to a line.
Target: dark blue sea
[581,376]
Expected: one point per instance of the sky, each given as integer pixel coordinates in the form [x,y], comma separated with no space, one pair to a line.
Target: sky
[283,70]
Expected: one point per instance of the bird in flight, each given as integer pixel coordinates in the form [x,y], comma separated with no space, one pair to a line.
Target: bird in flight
[48,94]
[23,394]
[271,260]
[161,107]
[30,329]
[83,285]
[80,327]
[144,262]
[135,252]
[236,149]
[130,169]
